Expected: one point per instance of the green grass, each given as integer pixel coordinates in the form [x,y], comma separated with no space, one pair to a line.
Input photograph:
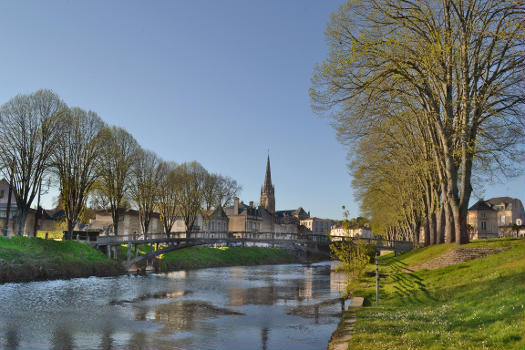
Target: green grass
[122,251]
[474,305]
[23,259]
[202,257]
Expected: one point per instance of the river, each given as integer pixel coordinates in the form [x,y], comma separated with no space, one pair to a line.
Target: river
[255,307]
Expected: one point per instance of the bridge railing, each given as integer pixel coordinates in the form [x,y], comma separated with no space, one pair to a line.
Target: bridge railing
[251,236]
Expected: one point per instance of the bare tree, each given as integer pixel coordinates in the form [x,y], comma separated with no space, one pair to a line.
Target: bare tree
[75,161]
[168,199]
[192,177]
[27,139]
[112,188]
[210,189]
[227,190]
[145,177]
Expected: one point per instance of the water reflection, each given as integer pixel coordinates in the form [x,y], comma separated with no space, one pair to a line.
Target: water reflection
[262,307]
[12,338]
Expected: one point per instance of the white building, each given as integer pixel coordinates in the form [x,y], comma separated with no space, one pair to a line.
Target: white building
[339,230]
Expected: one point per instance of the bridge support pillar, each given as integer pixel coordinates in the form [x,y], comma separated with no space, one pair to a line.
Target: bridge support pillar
[136,250]
[129,250]
[108,251]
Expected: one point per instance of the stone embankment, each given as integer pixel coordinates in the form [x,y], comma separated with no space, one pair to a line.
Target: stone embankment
[342,335]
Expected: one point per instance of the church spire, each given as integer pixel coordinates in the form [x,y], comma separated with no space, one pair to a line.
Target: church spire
[267,192]
[268,176]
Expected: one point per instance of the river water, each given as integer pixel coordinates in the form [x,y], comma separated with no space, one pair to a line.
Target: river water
[256,307]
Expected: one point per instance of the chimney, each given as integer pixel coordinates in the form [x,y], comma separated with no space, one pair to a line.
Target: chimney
[236,206]
[251,204]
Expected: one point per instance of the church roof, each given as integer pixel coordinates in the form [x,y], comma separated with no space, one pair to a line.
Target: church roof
[290,212]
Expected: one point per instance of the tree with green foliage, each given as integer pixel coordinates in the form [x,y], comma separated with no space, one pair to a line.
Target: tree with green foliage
[353,256]
[455,69]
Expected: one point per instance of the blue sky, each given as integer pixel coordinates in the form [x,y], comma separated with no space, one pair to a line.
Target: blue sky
[220,82]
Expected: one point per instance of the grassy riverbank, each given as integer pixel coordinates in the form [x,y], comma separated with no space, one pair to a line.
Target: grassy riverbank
[202,257]
[29,259]
[471,305]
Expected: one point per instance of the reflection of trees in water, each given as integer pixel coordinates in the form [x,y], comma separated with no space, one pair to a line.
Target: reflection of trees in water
[297,290]
[106,342]
[264,337]
[61,338]
[254,296]
[138,341]
[337,281]
[183,316]
[12,337]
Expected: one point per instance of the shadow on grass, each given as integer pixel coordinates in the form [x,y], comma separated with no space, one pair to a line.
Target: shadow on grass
[407,284]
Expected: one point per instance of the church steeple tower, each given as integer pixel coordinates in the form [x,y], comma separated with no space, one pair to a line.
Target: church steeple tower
[267,191]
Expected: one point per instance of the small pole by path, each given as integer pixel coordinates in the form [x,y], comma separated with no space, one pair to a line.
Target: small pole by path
[377,280]
[129,250]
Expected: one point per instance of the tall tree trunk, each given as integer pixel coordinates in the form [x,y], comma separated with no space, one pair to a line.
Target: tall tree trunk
[38,211]
[428,209]
[432,229]
[416,231]
[440,225]
[116,217]
[21,219]
[466,190]
[8,211]
[450,232]
[426,232]
[457,222]
[70,227]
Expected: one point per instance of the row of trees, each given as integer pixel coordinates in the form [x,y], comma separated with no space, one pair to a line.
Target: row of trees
[429,96]
[40,136]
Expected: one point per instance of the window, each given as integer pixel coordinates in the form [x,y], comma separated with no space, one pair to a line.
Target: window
[518,222]
[484,225]
[1,193]
[483,215]
[502,219]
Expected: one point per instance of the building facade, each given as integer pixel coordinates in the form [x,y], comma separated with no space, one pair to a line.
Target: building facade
[243,218]
[362,232]
[128,224]
[495,217]
[317,226]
